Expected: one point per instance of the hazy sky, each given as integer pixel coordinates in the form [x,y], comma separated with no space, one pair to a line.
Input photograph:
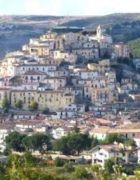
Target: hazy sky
[68,7]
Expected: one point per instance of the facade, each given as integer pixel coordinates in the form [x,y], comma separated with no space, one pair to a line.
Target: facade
[103,152]
[51,99]
[121,50]
[101,132]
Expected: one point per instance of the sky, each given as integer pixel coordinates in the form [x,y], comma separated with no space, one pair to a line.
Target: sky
[68,7]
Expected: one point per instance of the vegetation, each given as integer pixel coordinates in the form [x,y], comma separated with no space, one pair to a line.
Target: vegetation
[58,162]
[5,103]
[109,163]
[28,167]
[19,103]
[73,143]
[19,142]
[14,141]
[46,110]
[135,48]
[34,105]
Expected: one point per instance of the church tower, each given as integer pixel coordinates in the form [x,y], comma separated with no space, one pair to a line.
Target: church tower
[99,32]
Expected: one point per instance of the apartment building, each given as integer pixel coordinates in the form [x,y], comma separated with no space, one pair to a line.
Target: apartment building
[121,50]
[51,99]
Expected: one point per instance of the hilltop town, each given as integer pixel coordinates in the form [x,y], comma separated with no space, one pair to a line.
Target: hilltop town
[68,78]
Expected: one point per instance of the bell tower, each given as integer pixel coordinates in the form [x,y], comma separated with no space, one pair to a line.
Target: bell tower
[99,32]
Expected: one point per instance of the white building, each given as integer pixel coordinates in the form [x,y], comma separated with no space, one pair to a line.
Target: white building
[101,133]
[59,132]
[102,153]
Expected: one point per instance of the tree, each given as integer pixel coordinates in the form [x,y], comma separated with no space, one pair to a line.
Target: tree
[34,105]
[109,163]
[94,142]
[36,141]
[130,142]
[14,141]
[111,138]
[46,110]
[19,103]
[5,103]
[61,145]
[73,143]
[58,162]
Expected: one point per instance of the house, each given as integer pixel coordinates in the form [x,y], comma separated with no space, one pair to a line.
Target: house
[75,107]
[24,116]
[101,132]
[55,82]
[103,95]
[33,76]
[137,140]
[63,114]
[102,67]
[85,73]
[87,53]
[102,153]
[60,132]
[58,73]
[27,126]
[121,50]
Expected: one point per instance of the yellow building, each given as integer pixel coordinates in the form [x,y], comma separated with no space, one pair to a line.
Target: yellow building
[51,99]
[40,50]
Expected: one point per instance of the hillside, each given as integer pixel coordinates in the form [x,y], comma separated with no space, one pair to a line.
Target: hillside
[17,30]
[135,48]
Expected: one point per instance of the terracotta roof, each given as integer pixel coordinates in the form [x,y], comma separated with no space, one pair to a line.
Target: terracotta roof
[4,88]
[32,122]
[114,130]
[8,126]
[137,136]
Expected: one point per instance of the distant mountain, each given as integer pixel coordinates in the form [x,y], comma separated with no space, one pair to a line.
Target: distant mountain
[105,21]
[17,30]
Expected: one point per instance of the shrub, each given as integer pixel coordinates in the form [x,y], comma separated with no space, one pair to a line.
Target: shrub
[58,162]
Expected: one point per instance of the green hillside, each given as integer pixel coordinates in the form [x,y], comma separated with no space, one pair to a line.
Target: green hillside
[135,48]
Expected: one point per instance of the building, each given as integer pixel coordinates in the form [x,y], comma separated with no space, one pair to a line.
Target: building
[102,153]
[102,66]
[121,50]
[101,132]
[45,98]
